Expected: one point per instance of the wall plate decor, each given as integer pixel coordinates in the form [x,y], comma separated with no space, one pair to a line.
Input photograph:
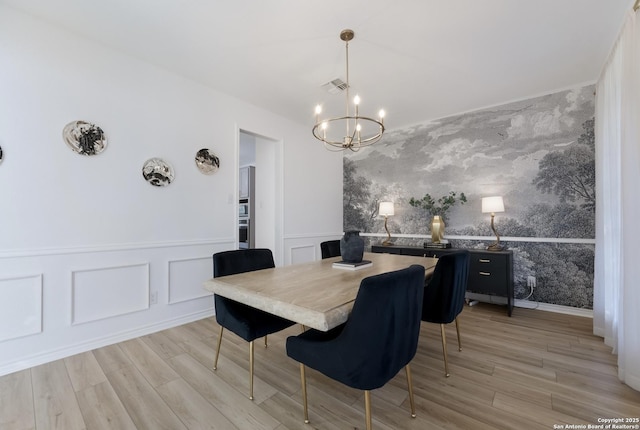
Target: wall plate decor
[84,138]
[157,172]
[207,161]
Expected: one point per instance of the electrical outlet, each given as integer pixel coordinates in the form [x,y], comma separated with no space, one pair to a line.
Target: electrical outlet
[531,282]
[154,298]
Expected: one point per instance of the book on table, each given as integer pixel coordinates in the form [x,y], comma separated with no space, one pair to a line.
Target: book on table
[352,266]
[441,245]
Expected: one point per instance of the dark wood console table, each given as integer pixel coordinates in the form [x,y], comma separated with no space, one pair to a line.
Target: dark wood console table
[490,272]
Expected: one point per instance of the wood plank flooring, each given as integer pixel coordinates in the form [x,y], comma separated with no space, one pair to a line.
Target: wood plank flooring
[531,371]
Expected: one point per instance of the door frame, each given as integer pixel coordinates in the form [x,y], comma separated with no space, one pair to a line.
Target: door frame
[275,155]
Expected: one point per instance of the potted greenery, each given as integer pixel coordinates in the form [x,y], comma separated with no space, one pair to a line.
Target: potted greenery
[438,210]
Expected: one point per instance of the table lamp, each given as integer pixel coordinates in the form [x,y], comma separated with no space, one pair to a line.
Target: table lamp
[492,205]
[386,210]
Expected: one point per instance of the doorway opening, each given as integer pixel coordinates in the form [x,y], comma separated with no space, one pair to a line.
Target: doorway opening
[260,185]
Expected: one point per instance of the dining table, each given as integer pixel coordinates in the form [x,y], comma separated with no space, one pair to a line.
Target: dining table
[315,294]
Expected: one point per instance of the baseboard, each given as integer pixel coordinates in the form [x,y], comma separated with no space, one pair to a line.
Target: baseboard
[38,359]
[527,304]
[580,312]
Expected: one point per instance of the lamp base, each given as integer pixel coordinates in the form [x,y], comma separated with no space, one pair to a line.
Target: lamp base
[387,241]
[496,247]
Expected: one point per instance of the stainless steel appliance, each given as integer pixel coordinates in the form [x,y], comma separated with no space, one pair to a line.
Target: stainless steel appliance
[243,208]
[246,210]
[244,233]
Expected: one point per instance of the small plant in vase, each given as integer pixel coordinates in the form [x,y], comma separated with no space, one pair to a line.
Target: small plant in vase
[438,210]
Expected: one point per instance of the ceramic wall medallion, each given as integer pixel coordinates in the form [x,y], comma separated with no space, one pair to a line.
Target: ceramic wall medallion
[157,172]
[207,161]
[84,138]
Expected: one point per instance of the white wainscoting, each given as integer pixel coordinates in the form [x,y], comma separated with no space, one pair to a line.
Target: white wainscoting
[107,292]
[59,302]
[186,277]
[303,253]
[64,301]
[301,248]
[21,306]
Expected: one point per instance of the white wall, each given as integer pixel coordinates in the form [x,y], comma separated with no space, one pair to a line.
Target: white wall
[86,245]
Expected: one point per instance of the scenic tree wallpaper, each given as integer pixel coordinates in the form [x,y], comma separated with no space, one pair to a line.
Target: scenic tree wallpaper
[538,154]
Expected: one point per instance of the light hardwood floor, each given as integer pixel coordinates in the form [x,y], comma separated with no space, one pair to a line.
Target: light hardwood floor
[531,371]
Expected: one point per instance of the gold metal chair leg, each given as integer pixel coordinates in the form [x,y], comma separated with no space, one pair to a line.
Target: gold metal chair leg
[303,380]
[444,350]
[215,362]
[265,341]
[458,332]
[410,385]
[251,370]
[367,408]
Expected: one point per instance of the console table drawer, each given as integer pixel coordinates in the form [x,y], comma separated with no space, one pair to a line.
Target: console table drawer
[487,273]
[491,273]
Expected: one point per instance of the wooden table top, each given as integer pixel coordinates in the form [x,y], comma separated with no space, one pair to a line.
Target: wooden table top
[313,294]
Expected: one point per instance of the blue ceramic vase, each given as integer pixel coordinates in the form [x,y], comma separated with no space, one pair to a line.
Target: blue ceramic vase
[352,247]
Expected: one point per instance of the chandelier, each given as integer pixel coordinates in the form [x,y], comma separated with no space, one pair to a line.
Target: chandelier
[359,131]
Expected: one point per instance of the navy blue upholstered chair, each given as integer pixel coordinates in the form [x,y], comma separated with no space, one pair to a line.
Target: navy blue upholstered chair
[444,295]
[330,248]
[379,338]
[247,322]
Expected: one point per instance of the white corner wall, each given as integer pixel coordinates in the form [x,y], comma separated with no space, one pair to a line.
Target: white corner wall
[91,254]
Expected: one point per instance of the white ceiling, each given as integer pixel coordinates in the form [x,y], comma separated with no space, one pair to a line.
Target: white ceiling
[418,59]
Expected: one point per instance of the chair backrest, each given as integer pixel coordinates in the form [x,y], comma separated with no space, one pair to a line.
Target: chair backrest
[444,293]
[330,248]
[241,260]
[381,335]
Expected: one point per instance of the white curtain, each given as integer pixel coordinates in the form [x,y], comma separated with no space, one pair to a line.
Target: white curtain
[617,266]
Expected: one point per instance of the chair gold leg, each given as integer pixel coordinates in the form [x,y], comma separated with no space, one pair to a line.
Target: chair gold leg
[444,350]
[303,381]
[265,341]
[251,370]
[215,362]
[367,409]
[458,332]
[410,385]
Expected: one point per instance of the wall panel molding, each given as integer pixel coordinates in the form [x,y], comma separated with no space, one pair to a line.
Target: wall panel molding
[106,292]
[20,306]
[186,277]
[303,253]
[491,238]
[40,252]
[322,236]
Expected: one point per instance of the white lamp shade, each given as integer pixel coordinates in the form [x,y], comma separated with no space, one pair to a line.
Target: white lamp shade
[492,204]
[386,208]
